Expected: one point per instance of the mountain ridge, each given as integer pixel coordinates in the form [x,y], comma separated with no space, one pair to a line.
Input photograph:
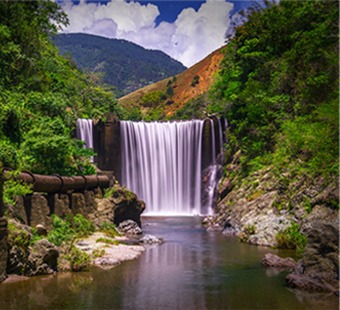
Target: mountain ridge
[123,64]
[187,85]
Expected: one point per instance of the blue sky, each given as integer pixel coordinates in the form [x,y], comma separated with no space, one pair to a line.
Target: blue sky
[186,30]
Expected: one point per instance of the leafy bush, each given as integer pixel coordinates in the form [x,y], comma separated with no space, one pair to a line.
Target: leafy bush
[62,231]
[69,229]
[51,136]
[14,188]
[291,238]
[153,98]
[82,226]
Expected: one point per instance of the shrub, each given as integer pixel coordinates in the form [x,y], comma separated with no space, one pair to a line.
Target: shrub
[82,226]
[78,259]
[62,231]
[291,238]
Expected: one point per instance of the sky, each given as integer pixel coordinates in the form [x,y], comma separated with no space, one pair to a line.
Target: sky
[185,30]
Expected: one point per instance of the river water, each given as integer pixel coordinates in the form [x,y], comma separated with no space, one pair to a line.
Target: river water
[193,269]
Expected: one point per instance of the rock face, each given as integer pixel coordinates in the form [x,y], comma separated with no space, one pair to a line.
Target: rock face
[258,207]
[36,210]
[318,270]
[3,248]
[42,259]
[249,211]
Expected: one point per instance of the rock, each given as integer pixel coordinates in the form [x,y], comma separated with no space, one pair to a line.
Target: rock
[129,227]
[272,260]
[127,205]
[150,239]
[319,268]
[19,237]
[41,230]
[62,205]
[3,248]
[104,212]
[43,258]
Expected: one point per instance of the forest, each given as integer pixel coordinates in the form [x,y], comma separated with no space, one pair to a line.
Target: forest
[277,87]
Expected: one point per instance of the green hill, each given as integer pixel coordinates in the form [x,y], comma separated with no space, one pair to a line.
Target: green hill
[124,65]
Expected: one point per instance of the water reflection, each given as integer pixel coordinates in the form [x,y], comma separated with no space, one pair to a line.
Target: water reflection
[193,269]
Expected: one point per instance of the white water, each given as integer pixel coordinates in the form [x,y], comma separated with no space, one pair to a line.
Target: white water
[85,132]
[161,163]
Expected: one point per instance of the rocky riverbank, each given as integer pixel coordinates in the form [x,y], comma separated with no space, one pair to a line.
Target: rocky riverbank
[264,209]
[27,252]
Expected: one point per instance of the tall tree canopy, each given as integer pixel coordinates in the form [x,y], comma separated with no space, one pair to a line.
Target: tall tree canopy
[42,93]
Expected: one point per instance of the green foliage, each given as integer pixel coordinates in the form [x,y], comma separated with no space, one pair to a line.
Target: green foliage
[193,109]
[62,231]
[18,237]
[108,241]
[78,259]
[280,92]
[82,226]
[291,238]
[109,192]
[8,154]
[49,137]
[42,93]
[14,188]
[153,99]
[98,253]
[67,230]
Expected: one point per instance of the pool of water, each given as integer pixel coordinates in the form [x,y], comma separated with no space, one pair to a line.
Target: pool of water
[193,269]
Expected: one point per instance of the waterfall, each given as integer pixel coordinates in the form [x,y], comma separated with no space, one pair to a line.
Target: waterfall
[85,132]
[161,163]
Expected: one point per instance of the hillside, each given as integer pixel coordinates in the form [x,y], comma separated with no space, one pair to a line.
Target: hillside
[124,65]
[177,90]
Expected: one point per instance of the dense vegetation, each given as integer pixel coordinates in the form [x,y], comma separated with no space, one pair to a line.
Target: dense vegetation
[124,65]
[278,88]
[42,93]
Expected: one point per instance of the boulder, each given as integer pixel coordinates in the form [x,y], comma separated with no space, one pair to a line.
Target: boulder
[127,205]
[129,227]
[272,260]
[42,259]
[150,239]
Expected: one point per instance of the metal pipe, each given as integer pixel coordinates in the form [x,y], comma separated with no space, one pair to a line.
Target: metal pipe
[56,183]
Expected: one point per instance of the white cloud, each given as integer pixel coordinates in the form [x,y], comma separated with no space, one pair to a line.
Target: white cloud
[189,39]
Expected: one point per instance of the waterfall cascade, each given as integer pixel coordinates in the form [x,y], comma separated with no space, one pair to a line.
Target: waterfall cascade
[85,132]
[162,163]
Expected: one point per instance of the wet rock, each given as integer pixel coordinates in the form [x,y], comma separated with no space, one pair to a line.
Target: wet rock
[150,239]
[43,258]
[129,227]
[272,260]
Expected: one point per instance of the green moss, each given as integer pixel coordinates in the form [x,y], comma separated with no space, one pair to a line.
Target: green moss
[107,241]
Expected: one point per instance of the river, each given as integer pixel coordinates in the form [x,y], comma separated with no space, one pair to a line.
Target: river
[193,269]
